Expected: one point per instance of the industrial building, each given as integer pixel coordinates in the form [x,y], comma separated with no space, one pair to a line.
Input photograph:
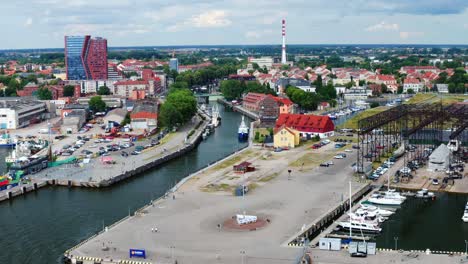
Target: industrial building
[16,112]
[145,115]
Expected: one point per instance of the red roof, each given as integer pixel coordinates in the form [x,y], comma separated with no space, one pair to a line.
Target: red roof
[254,97]
[412,80]
[306,123]
[147,115]
[281,100]
[386,77]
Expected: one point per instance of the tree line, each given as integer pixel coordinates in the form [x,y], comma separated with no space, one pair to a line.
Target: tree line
[234,89]
[180,106]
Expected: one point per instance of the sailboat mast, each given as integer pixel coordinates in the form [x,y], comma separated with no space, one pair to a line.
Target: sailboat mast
[350,204]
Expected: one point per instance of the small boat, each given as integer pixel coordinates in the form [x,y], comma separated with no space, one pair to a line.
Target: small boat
[425,193]
[243,131]
[332,116]
[465,214]
[374,209]
[7,141]
[364,227]
[408,194]
[215,118]
[384,199]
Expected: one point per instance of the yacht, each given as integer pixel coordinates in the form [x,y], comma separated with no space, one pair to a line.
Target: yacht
[366,217]
[425,193]
[384,200]
[465,214]
[374,209]
[364,227]
[215,117]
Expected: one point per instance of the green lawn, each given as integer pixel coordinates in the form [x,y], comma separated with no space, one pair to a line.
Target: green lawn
[353,122]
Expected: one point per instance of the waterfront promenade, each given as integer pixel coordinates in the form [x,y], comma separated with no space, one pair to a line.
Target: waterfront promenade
[191,224]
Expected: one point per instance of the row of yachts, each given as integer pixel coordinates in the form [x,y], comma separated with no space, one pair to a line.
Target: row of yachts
[371,213]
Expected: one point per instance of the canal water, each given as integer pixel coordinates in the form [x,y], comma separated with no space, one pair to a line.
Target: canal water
[37,228]
[421,224]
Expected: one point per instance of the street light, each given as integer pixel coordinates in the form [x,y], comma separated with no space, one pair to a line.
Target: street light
[396,242]
[172,253]
[242,256]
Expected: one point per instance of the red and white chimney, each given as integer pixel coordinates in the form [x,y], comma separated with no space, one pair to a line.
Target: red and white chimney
[283,47]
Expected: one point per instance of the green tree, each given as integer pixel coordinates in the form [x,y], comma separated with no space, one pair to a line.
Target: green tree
[68,90]
[374,105]
[13,84]
[255,66]
[184,101]
[410,91]
[103,90]
[231,89]
[96,104]
[44,94]
[169,116]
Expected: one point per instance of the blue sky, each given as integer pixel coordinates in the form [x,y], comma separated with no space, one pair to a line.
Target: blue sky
[43,23]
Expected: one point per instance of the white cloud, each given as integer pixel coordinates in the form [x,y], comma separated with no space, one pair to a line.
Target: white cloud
[407,34]
[212,18]
[383,26]
[208,19]
[253,34]
[28,22]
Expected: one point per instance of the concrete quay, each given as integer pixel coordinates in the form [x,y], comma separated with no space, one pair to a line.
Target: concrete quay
[96,174]
[190,224]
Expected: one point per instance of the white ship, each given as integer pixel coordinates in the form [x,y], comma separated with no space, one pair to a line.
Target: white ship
[243,131]
[215,117]
[364,227]
[465,214]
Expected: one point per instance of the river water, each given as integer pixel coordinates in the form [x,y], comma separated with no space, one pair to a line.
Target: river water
[421,224]
[38,227]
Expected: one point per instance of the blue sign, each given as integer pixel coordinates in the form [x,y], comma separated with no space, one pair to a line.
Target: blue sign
[139,253]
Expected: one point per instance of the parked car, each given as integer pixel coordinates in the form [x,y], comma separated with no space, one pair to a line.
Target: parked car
[278,149]
[435,182]
[355,147]
[316,146]
[324,164]
[124,154]
[338,157]
[135,152]
[348,150]
[359,254]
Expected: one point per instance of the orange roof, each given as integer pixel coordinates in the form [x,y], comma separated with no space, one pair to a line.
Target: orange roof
[147,115]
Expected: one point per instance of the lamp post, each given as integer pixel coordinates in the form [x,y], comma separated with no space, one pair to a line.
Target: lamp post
[172,253]
[396,242]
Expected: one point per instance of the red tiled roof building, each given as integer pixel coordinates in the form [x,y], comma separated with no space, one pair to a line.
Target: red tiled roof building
[308,125]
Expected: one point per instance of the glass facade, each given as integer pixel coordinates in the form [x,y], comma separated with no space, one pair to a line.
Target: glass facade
[74,56]
[174,64]
[86,58]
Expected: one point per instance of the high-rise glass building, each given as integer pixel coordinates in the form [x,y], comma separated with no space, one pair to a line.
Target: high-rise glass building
[174,64]
[85,58]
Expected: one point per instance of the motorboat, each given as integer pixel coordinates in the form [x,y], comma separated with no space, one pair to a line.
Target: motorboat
[383,199]
[465,214]
[366,217]
[361,226]
[374,209]
[424,193]
[392,193]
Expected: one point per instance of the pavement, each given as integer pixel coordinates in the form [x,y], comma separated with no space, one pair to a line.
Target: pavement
[188,225]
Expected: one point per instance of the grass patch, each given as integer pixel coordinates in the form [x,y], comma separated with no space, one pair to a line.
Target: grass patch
[420,98]
[223,187]
[353,122]
[311,160]
[269,177]
[252,186]
[168,137]
[232,161]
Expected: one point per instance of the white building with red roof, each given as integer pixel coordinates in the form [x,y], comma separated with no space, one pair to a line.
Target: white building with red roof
[412,83]
[307,125]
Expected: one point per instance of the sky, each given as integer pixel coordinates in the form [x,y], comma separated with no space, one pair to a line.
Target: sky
[44,23]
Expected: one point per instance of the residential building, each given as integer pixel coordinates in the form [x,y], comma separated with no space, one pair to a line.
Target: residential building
[419,69]
[388,80]
[85,58]
[412,83]
[174,64]
[144,115]
[286,137]
[125,88]
[16,112]
[266,62]
[303,84]
[113,73]
[286,106]
[442,88]
[307,125]
[357,93]
[111,101]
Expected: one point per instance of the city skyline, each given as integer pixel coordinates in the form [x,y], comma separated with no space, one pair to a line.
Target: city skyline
[149,23]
